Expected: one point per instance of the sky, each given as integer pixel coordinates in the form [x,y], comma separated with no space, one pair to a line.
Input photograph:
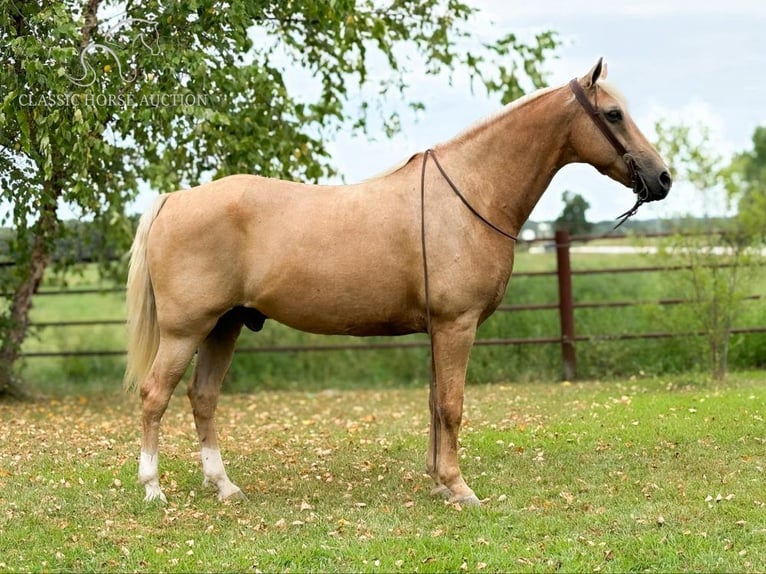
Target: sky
[699,62]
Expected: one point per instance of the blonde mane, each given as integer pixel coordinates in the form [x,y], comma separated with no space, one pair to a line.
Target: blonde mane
[506,109]
[477,126]
[612,90]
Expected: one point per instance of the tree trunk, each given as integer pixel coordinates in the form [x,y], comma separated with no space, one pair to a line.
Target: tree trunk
[39,259]
[43,233]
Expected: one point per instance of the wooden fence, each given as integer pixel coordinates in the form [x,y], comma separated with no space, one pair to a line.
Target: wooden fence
[566,305]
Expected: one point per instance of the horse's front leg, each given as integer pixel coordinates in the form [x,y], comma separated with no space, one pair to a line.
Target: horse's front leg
[452,344]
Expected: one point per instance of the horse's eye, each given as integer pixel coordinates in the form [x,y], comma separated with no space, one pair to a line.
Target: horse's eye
[613,115]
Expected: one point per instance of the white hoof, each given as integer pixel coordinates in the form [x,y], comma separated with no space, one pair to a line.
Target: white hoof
[226,488]
[232,493]
[153,492]
[215,475]
[148,475]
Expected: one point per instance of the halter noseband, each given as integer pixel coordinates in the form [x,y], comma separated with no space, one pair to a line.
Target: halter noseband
[639,185]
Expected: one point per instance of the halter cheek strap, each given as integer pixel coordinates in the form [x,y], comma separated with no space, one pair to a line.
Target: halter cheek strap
[639,185]
[597,118]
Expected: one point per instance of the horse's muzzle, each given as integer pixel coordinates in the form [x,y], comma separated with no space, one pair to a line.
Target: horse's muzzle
[665,183]
[653,188]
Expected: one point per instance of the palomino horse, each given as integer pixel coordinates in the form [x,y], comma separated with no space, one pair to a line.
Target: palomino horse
[352,259]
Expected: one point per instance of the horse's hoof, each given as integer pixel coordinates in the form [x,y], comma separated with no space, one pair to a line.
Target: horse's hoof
[153,492]
[441,491]
[468,500]
[231,494]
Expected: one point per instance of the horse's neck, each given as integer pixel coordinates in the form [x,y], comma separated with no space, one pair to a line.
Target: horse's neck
[505,163]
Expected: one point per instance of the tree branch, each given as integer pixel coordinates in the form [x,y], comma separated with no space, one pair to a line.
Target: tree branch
[91,21]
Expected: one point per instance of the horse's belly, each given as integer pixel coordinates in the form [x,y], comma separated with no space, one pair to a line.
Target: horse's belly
[321,326]
[363,324]
[373,306]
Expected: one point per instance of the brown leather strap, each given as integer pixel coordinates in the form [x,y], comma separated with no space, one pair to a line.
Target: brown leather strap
[456,191]
[639,185]
[596,116]
[435,423]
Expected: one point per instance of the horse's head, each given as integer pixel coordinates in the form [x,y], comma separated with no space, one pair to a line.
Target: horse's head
[604,135]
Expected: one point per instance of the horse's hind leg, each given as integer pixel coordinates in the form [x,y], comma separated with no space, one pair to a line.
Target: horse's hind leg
[213,360]
[173,356]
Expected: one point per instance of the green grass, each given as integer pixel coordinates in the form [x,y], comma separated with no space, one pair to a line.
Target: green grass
[649,474]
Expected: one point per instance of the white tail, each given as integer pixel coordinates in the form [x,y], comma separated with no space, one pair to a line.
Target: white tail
[143,330]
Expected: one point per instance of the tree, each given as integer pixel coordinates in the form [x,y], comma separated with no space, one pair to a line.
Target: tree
[572,218]
[717,251]
[747,186]
[100,96]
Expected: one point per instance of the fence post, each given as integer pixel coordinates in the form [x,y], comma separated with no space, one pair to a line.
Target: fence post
[566,309]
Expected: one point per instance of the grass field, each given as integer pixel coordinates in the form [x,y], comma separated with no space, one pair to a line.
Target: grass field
[651,474]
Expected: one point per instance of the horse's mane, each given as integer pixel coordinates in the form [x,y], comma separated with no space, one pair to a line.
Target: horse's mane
[506,109]
[612,90]
[607,86]
[477,126]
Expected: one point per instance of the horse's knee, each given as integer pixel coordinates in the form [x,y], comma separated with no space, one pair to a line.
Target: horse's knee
[154,398]
[451,413]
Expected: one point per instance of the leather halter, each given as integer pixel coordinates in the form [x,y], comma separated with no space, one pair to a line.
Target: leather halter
[639,184]
[598,119]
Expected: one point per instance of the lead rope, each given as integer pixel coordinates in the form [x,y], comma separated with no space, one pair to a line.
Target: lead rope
[432,385]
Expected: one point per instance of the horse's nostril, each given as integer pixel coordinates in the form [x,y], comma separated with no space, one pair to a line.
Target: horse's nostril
[665,180]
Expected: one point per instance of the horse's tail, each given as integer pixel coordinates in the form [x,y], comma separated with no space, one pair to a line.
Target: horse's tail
[143,329]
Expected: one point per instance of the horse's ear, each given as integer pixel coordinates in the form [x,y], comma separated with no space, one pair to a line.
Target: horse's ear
[597,72]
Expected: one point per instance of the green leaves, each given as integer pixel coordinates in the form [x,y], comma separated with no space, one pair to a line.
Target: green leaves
[525,71]
[747,186]
[721,265]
